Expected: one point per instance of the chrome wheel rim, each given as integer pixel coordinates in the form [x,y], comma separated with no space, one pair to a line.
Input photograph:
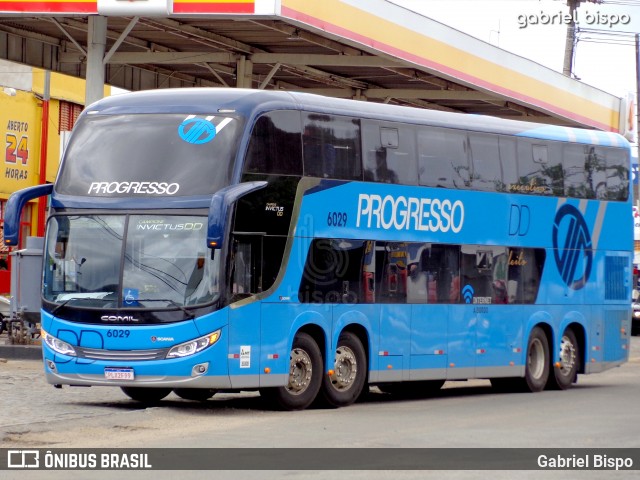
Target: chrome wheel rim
[567,356]
[345,369]
[300,371]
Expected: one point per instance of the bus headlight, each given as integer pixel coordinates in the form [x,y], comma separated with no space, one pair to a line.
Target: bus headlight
[57,345]
[194,346]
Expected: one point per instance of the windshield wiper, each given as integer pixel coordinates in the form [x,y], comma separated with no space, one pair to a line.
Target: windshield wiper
[188,313]
[58,307]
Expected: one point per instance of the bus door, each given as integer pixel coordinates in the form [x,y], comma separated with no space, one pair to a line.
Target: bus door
[483,327]
[245,279]
[395,313]
[430,283]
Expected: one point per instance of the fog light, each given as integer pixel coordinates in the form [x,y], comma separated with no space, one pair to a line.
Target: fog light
[51,365]
[199,369]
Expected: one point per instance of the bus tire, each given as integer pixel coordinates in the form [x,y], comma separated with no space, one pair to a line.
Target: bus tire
[345,385]
[146,395]
[536,371]
[195,394]
[305,376]
[565,371]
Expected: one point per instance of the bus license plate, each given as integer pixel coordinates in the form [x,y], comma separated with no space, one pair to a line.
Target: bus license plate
[118,373]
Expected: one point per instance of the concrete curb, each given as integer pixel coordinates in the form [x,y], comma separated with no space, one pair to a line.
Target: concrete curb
[21,352]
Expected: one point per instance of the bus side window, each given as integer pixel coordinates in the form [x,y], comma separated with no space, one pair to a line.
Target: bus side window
[485,157]
[576,159]
[334,272]
[443,158]
[331,147]
[507,147]
[275,146]
[441,263]
[389,152]
[617,174]
[540,168]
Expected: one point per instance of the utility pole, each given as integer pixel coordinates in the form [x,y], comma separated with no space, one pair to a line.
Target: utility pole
[570,42]
[567,67]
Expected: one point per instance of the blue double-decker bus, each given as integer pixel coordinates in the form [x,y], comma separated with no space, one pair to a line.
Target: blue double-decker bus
[207,240]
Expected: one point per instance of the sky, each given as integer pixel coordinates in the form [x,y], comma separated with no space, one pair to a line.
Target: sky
[604,55]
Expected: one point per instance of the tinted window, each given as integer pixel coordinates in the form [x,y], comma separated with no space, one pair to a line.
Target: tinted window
[443,159]
[500,275]
[275,145]
[331,147]
[539,168]
[333,272]
[389,153]
[434,274]
[485,157]
[149,155]
[617,173]
[581,171]
[509,162]
[391,272]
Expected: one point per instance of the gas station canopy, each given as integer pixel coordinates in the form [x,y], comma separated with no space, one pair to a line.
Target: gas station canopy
[370,50]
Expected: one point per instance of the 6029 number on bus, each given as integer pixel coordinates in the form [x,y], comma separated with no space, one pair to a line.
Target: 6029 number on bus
[337,219]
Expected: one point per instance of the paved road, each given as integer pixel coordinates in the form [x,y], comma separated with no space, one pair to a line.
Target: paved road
[600,412]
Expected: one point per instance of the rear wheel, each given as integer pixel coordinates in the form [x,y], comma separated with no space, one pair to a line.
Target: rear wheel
[537,368]
[345,383]
[146,395]
[305,376]
[565,371]
[195,394]
[536,372]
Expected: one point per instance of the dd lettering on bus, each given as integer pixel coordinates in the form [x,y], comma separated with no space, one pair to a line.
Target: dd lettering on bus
[519,220]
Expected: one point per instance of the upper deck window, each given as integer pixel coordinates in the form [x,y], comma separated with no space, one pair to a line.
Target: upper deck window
[149,155]
[331,147]
[276,146]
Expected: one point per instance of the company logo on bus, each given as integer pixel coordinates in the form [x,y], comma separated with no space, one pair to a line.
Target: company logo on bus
[410,213]
[572,247]
[197,130]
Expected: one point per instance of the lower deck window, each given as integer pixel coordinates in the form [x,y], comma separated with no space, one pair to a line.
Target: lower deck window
[367,271]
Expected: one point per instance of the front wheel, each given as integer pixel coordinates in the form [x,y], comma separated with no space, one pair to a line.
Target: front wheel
[565,371]
[305,376]
[344,383]
[146,395]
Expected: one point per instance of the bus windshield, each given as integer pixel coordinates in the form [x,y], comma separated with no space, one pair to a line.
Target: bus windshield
[169,155]
[129,261]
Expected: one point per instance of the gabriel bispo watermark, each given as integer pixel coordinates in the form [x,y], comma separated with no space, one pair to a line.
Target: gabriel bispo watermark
[597,19]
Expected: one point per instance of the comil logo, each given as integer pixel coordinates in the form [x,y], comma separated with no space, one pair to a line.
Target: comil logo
[572,247]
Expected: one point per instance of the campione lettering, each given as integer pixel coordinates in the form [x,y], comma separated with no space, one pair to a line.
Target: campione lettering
[410,213]
[137,188]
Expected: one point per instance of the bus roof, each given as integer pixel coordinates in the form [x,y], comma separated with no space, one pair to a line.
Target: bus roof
[250,103]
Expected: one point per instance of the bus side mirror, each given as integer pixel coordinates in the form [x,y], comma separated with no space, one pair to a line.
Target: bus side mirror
[13,210]
[220,209]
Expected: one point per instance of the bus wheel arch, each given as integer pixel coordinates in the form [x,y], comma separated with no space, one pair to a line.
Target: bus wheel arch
[304,377]
[346,378]
[567,361]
